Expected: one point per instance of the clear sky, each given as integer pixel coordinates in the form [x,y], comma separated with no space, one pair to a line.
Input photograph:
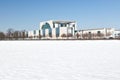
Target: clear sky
[27,14]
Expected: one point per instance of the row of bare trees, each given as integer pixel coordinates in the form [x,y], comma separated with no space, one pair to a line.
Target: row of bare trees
[84,36]
[15,34]
[2,36]
[92,35]
[12,34]
[67,35]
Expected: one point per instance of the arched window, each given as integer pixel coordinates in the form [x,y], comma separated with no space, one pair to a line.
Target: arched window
[44,27]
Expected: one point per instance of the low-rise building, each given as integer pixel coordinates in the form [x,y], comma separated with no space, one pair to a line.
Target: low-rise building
[34,34]
[117,34]
[96,33]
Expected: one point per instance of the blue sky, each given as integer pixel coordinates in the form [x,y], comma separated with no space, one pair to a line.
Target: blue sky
[27,14]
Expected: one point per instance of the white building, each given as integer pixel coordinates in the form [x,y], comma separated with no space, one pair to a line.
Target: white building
[55,29]
[59,29]
[117,34]
[34,34]
[96,33]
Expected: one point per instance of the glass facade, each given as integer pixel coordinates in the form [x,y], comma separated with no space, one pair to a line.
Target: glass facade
[57,32]
[44,27]
[34,32]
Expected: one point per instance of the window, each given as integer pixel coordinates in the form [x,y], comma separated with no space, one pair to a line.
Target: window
[73,25]
[89,32]
[65,25]
[118,34]
[57,32]
[53,25]
[39,32]
[61,25]
[34,32]
[98,32]
[27,34]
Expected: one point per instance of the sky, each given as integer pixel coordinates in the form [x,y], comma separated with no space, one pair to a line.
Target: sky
[27,14]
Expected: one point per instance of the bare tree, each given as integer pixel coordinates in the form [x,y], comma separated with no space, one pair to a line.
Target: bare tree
[63,35]
[40,36]
[118,35]
[85,35]
[77,35]
[100,35]
[69,35]
[2,36]
[30,37]
[10,32]
[109,33]
[16,35]
[23,35]
[89,35]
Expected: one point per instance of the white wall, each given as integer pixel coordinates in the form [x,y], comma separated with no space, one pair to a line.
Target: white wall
[117,34]
[104,31]
[32,35]
[63,30]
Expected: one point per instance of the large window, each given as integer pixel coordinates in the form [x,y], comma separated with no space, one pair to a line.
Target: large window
[57,32]
[44,27]
[61,25]
[34,32]
[53,25]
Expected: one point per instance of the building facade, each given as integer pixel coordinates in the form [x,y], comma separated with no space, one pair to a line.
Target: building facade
[55,29]
[96,33]
[59,29]
[34,34]
[117,34]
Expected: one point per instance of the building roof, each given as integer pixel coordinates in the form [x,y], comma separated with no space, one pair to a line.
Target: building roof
[94,29]
[63,21]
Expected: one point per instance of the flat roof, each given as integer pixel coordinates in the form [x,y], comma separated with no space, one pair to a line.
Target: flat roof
[63,21]
[94,29]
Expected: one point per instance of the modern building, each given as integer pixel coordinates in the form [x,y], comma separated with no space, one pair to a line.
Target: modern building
[117,34]
[55,29]
[96,33]
[59,29]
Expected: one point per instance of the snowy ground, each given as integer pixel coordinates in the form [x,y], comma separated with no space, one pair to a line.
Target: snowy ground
[60,60]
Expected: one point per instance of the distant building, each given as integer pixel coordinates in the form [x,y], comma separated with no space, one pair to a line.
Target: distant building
[61,29]
[117,34]
[55,29]
[33,34]
[96,33]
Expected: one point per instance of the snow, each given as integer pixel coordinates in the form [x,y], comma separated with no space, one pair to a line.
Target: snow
[60,60]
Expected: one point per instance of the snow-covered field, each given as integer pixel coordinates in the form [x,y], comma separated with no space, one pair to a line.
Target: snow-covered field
[60,60]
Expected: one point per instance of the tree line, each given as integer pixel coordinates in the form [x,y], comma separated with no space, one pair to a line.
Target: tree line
[12,34]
